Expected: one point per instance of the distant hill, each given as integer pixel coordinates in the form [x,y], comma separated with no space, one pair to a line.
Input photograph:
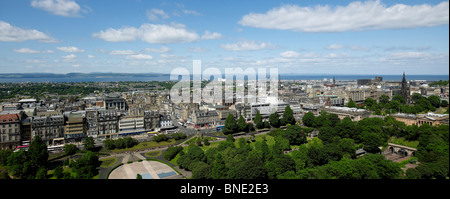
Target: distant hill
[79,75]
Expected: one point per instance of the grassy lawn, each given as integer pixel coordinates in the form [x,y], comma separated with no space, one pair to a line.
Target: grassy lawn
[107,162]
[153,153]
[404,142]
[146,145]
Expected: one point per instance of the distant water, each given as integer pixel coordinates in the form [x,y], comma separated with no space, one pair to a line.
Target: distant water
[355,77]
[88,79]
[167,78]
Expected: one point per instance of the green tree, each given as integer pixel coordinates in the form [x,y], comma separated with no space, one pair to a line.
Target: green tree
[399,98]
[308,119]
[88,144]
[351,104]
[369,102]
[288,115]
[160,138]
[230,138]
[262,149]
[279,166]
[19,165]
[333,118]
[58,172]
[70,149]
[435,101]
[371,142]
[138,176]
[86,166]
[230,125]
[37,152]
[206,142]
[317,156]
[219,170]
[274,120]
[416,97]
[41,173]
[251,168]
[444,103]
[201,170]
[295,134]
[4,153]
[383,100]
[242,125]
[109,144]
[258,120]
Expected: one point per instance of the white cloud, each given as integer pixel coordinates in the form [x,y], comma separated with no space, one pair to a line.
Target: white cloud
[290,54]
[197,49]
[71,56]
[335,55]
[70,49]
[66,8]
[246,45]
[122,52]
[191,12]
[91,56]
[211,35]
[139,56]
[150,33]
[36,61]
[356,16]
[408,55]
[163,49]
[359,48]
[30,51]
[14,34]
[154,14]
[334,47]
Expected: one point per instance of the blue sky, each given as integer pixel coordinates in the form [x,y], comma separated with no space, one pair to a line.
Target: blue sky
[302,37]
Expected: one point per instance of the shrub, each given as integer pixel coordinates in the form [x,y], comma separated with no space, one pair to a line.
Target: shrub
[171,152]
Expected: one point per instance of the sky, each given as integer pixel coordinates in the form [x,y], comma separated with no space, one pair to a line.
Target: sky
[157,36]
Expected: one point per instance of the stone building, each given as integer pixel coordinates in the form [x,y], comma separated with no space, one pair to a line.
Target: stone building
[166,122]
[92,124]
[342,112]
[75,127]
[129,124]
[151,120]
[204,118]
[420,119]
[101,123]
[108,123]
[47,127]
[115,103]
[9,131]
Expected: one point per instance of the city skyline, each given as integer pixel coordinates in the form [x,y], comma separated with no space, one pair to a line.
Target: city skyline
[345,37]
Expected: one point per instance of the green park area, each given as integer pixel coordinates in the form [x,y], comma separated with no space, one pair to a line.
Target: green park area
[289,154]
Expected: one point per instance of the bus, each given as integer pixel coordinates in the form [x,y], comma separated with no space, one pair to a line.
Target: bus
[152,133]
[24,147]
[219,128]
[58,148]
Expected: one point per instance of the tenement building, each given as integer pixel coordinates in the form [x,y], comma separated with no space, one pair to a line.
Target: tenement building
[204,118]
[9,131]
[151,120]
[48,128]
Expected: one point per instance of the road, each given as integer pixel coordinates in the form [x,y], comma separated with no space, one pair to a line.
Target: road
[178,127]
